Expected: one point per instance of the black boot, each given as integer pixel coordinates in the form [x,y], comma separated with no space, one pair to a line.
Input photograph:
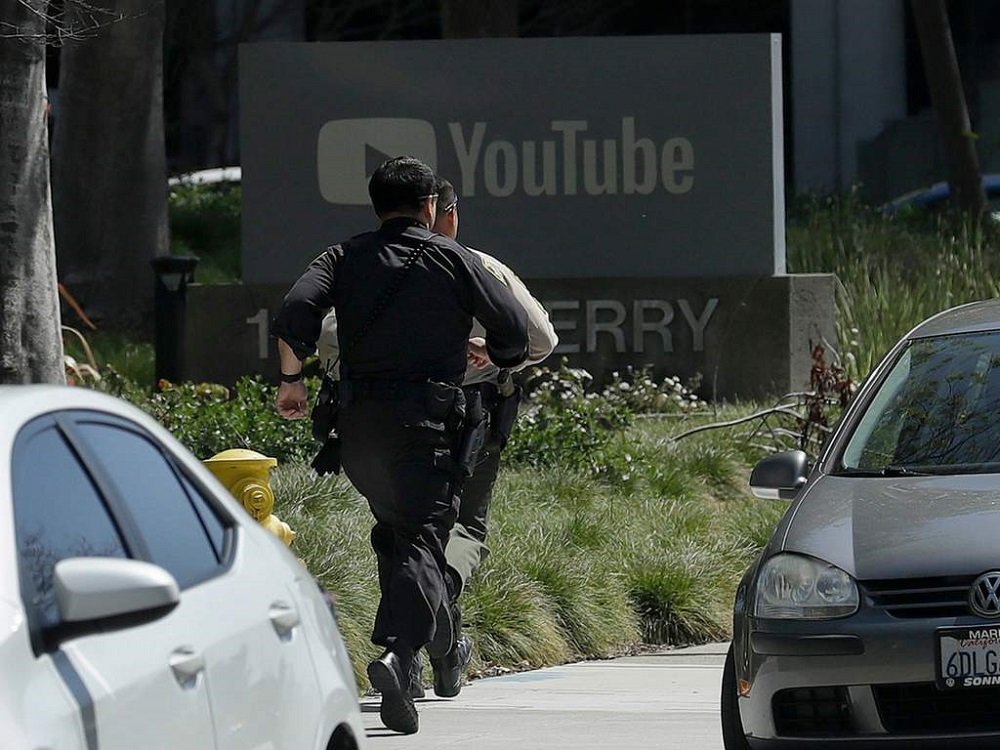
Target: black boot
[416,688]
[390,675]
[445,630]
[449,669]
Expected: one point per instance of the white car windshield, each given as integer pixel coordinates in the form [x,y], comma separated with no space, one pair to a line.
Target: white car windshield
[937,410]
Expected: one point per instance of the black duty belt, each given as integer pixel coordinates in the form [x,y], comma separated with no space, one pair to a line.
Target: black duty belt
[387,390]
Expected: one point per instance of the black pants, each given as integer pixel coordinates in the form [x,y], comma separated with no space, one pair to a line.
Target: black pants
[391,454]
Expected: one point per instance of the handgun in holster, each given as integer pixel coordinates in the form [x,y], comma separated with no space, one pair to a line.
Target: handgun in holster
[475,428]
[505,409]
[324,427]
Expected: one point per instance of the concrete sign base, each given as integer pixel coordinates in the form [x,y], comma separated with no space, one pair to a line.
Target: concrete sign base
[747,338]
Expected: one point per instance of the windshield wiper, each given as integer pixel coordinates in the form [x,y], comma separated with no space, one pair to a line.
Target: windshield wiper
[885,471]
[902,471]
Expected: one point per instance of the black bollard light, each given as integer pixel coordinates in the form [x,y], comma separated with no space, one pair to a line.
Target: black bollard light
[173,273]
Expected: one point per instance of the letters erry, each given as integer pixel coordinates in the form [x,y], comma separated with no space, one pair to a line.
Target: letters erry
[607,318]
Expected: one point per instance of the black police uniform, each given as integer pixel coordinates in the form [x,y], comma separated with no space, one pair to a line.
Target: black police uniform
[401,409]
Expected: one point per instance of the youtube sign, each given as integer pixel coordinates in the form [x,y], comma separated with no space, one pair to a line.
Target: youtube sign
[613,157]
[348,151]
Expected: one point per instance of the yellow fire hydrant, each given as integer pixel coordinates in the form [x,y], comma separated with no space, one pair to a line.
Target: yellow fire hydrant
[246,474]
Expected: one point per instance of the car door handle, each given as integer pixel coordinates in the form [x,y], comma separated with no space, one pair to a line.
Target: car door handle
[186,664]
[284,618]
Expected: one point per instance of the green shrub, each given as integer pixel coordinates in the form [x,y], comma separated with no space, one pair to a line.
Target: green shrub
[205,221]
[593,613]
[641,393]
[514,623]
[210,418]
[561,423]
[672,596]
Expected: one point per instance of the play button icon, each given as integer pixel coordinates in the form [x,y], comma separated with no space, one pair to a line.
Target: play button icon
[374,158]
[348,151]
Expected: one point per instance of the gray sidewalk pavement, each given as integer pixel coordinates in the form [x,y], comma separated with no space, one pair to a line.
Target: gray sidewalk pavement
[664,700]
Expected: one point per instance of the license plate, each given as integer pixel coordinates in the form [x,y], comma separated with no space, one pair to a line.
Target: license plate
[968,657]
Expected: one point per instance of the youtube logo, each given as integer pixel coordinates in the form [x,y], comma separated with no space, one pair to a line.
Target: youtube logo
[348,151]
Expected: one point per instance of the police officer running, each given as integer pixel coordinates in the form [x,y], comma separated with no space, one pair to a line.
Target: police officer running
[405,299]
[466,548]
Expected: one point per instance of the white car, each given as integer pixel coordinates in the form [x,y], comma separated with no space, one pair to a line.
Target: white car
[213,176]
[141,606]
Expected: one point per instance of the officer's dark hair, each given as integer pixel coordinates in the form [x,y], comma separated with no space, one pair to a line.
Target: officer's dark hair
[401,185]
[445,192]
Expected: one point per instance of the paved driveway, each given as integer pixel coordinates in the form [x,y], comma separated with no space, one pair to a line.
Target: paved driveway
[664,700]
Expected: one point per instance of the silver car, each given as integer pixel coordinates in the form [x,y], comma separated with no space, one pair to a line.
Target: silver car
[872,616]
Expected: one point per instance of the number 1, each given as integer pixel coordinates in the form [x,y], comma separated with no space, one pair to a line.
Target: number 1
[260,320]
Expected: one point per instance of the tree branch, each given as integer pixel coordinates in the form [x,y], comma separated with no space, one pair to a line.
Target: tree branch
[72,21]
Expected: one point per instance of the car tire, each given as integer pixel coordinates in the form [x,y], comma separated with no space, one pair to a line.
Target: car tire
[733,737]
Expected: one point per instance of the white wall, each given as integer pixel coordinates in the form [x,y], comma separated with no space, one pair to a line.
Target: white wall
[848,70]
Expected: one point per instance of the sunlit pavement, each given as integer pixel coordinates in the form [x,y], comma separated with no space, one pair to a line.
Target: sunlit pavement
[663,700]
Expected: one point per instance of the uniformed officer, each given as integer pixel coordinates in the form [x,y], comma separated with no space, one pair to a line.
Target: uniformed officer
[405,299]
[466,548]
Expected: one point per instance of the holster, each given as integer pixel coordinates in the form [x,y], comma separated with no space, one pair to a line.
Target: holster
[505,415]
[475,428]
[324,427]
[324,412]
[327,461]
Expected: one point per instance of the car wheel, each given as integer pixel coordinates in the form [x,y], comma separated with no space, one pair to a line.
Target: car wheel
[733,737]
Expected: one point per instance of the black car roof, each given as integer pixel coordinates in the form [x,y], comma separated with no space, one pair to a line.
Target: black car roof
[970,318]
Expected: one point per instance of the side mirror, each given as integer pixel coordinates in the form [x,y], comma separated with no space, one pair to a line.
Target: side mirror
[90,589]
[781,476]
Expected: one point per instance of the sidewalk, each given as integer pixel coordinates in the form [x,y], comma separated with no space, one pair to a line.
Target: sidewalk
[663,700]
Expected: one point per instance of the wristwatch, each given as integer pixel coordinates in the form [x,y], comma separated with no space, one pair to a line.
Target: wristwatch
[285,378]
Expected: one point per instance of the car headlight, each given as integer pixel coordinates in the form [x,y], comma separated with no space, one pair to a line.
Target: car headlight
[795,587]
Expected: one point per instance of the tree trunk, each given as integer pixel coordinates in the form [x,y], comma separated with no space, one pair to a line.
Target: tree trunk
[109,164]
[945,82]
[190,28]
[30,335]
[472,19]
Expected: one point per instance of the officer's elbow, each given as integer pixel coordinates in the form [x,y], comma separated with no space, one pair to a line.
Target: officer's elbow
[507,357]
[544,344]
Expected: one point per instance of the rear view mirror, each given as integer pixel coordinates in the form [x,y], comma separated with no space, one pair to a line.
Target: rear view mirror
[781,476]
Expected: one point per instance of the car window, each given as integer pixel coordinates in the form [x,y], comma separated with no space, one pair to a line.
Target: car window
[210,520]
[155,499]
[874,439]
[936,409]
[58,513]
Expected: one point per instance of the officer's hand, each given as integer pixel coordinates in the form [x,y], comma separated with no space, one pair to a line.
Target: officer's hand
[292,400]
[476,353]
